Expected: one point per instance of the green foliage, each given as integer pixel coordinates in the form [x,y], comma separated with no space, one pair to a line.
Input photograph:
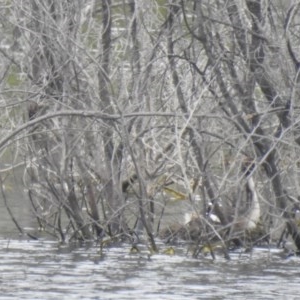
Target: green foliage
[13,78]
[162,8]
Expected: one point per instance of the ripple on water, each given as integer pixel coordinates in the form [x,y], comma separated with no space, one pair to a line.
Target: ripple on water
[43,270]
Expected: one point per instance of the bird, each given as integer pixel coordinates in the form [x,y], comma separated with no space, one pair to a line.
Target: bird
[234,225]
[220,223]
[249,220]
[210,215]
[213,217]
[245,229]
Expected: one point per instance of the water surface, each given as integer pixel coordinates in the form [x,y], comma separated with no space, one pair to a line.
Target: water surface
[44,269]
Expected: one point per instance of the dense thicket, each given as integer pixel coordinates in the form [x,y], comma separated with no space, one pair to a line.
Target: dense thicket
[115,107]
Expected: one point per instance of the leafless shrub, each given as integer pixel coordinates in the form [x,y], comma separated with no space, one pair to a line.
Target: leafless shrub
[125,101]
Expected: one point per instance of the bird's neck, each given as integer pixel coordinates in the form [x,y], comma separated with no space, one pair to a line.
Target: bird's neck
[254,212]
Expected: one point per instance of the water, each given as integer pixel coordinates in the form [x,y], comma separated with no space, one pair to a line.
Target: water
[45,269]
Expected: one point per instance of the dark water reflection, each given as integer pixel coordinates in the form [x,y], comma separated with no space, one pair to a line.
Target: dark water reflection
[16,199]
[45,270]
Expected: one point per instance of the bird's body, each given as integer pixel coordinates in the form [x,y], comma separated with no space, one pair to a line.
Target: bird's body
[253,213]
[249,220]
